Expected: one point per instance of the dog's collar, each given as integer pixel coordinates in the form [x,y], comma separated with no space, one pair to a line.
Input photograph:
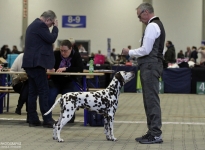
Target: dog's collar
[120,78]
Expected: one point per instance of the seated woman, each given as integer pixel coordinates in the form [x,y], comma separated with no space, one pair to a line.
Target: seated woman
[20,84]
[67,60]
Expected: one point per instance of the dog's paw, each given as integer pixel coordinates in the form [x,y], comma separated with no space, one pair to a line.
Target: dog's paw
[60,140]
[108,137]
[114,139]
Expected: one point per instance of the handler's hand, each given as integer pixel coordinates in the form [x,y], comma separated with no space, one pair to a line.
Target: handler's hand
[125,51]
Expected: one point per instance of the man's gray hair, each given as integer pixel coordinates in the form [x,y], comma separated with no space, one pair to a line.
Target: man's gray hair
[49,14]
[146,6]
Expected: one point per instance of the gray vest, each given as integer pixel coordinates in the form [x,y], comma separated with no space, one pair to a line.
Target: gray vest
[157,51]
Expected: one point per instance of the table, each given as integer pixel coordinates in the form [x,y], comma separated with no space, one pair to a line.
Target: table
[177,80]
[198,75]
[84,74]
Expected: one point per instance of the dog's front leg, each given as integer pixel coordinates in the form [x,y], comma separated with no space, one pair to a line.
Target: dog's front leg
[106,128]
[111,128]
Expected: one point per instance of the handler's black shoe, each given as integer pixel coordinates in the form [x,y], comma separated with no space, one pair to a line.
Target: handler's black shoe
[48,124]
[18,111]
[142,137]
[151,140]
[34,124]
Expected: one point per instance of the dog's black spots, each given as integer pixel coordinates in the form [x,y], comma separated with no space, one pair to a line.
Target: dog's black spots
[86,95]
[79,98]
[64,107]
[86,101]
[63,117]
[103,92]
[95,105]
[59,128]
[68,116]
[67,109]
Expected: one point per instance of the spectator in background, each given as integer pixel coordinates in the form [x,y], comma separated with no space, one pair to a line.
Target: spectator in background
[5,51]
[81,49]
[99,52]
[113,55]
[194,54]
[67,60]
[38,57]
[20,84]
[74,46]
[170,55]
[188,53]
[128,57]
[201,50]
[180,54]
[15,50]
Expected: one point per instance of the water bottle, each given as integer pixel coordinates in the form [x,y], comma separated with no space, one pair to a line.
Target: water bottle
[91,67]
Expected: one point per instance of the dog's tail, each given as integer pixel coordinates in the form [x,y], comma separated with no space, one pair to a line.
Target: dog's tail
[57,101]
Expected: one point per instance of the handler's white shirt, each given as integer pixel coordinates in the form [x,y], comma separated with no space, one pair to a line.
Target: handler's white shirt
[152,32]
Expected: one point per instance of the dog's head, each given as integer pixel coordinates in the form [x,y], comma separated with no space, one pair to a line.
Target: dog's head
[124,77]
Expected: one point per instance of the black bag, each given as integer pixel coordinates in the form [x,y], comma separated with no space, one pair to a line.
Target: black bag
[95,119]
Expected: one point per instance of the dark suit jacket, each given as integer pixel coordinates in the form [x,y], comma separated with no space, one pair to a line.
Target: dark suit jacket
[38,45]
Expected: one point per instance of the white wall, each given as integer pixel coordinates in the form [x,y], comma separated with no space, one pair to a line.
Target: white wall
[107,19]
[182,21]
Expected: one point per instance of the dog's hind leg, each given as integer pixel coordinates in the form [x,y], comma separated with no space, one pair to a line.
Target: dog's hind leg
[62,122]
[55,126]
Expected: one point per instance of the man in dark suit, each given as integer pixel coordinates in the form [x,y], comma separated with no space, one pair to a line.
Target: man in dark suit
[38,57]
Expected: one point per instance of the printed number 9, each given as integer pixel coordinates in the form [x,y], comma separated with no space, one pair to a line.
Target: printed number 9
[77,19]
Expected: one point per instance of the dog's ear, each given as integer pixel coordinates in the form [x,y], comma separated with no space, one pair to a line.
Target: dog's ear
[120,78]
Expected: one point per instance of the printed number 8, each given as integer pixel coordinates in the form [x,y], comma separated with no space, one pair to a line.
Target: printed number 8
[70,19]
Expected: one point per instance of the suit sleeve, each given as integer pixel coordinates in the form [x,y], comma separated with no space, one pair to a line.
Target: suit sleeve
[46,35]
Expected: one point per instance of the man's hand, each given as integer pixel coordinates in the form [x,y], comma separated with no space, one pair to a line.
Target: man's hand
[125,51]
[55,23]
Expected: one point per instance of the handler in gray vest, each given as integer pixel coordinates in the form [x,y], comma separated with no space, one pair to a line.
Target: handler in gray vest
[149,58]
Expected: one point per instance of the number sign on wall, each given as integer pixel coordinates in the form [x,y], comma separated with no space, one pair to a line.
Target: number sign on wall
[73,21]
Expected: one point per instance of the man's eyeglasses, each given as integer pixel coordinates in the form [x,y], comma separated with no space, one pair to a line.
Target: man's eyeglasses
[139,16]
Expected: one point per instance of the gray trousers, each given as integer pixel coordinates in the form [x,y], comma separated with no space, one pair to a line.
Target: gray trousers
[150,74]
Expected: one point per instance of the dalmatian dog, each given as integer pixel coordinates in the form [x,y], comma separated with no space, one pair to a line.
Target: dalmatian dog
[103,102]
